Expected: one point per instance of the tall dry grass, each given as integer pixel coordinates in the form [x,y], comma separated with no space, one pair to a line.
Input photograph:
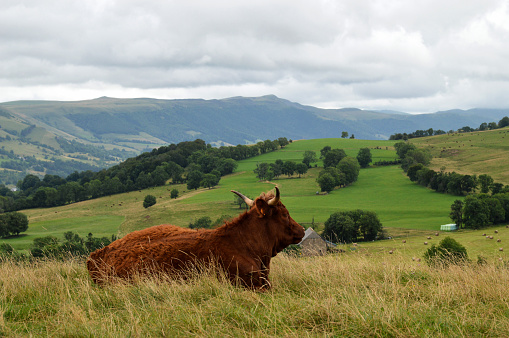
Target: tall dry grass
[338,295]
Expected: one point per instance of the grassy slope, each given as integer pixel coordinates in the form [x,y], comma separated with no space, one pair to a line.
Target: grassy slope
[483,152]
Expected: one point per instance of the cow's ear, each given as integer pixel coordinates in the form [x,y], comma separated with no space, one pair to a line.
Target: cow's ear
[262,207]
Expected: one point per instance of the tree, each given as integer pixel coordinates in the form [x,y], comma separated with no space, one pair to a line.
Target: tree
[412,171]
[324,151]
[364,157]
[504,122]
[261,170]
[204,222]
[454,184]
[415,156]
[276,168]
[475,213]
[340,228]
[4,232]
[468,183]
[486,182]
[350,167]
[210,180]
[149,201]
[457,213]
[370,226]
[159,176]
[448,251]
[492,125]
[239,201]
[326,182]
[143,181]
[333,157]
[496,188]
[309,157]
[93,188]
[344,134]
[13,223]
[339,177]
[226,166]
[174,193]
[496,212]
[175,171]
[283,141]
[301,168]
[402,148]
[29,182]
[288,168]
[194,179]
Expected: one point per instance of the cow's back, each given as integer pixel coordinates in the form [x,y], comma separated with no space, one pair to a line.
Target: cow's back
[163,247]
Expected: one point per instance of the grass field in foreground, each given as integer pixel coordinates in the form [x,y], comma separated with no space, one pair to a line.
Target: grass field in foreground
[357,293]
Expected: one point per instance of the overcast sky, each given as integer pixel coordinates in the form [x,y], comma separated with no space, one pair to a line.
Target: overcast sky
[413,56]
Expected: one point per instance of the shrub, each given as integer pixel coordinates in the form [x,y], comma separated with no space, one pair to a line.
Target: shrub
[448,251]
[340,228]
[149,201]
[203,222]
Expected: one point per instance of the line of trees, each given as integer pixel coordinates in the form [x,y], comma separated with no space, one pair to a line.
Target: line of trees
[269,171]
[482,210]
[504,122]
[193,162]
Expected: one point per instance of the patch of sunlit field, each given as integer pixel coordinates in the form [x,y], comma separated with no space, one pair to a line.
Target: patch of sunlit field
[480,152]
[355,293]
[380,150]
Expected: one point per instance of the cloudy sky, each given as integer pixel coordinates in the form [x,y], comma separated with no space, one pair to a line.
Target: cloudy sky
[414,56]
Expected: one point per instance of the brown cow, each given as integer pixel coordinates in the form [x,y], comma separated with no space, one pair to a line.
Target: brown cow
[243,247]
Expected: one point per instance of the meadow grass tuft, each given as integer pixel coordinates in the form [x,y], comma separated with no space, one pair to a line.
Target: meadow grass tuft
[348,294]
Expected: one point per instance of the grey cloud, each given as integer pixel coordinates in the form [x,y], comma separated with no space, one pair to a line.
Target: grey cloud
[370,54]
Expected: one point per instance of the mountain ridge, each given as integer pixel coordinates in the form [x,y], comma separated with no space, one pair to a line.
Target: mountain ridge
[234,120]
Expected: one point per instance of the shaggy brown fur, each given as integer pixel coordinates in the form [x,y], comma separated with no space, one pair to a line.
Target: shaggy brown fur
[242,247]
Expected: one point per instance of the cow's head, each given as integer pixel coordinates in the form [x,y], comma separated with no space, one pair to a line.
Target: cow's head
[281,225]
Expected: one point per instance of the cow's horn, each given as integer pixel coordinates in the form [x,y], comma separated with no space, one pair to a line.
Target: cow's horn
[274,200]
[246,199]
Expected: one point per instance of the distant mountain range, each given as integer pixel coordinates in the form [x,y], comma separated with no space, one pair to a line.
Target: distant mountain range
[137,124]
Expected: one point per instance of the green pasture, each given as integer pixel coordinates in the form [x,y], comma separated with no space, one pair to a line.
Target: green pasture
[411,244]
[398,202]
[42,136]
